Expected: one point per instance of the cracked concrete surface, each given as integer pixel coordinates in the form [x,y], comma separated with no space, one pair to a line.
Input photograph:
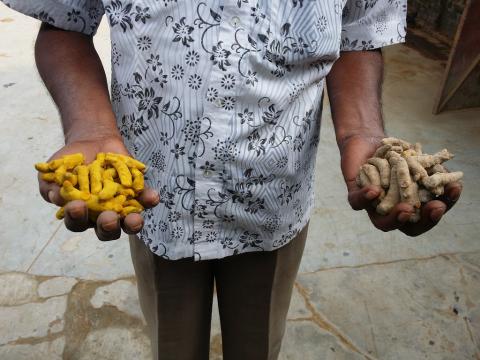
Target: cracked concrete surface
[360,294]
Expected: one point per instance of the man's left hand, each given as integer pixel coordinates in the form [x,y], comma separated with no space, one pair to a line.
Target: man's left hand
[355,151]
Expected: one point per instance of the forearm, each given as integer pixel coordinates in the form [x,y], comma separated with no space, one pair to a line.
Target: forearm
[354,88]
[74,76]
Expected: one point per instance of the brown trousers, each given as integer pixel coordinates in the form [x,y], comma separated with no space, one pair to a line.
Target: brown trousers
[253,290]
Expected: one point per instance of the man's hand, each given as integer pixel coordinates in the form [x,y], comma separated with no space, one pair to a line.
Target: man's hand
[354,88]
[73,74]
[109,224]
[354,152]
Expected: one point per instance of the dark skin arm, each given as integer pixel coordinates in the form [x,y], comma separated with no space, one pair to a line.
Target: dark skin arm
[74,76]
[354,89]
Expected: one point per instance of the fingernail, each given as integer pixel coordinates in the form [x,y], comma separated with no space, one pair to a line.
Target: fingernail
[76,214]
[404,216]
[436,214]
[157,199]
[110,226]
[370,195]
[137,228]
[50,195]
[454,197]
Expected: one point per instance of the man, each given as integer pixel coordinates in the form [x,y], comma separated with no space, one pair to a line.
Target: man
[222,100]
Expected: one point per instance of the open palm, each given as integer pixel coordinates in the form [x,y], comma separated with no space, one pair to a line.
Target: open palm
[355,152]
[108,225]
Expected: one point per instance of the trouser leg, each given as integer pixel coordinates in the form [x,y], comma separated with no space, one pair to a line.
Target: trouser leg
[176,299]
[254,292]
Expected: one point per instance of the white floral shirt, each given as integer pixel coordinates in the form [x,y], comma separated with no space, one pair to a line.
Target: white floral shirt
[222,99]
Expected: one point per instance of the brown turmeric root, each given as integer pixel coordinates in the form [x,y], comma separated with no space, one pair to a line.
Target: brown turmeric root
[393,194]
[383,168]
[407,175]
[437,181]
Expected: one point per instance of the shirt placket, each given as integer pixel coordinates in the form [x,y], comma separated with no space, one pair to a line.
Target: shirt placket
[219,120]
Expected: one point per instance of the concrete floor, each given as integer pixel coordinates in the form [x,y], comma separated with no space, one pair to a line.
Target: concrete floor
[360,294]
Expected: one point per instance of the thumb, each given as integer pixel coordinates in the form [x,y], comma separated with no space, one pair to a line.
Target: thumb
[50,192]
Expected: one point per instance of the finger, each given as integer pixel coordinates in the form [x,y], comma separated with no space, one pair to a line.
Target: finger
[149,198]
[50,192]
[433,211]
[76,216]
[108,226]
[396,218]
[451,195]
[362,198]
[132,223]
[431,214]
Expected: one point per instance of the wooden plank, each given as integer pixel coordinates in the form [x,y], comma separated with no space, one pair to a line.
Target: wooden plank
[462,64]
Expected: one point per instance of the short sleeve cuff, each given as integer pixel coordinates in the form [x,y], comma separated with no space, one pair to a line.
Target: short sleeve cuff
[373,29]
[80,16]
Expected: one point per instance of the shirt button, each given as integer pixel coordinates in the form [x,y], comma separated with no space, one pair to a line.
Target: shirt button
[235,21]
[218,103]
[207,173]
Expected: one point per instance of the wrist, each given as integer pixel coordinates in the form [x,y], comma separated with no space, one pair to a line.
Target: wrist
[98,127]
[358,124]
[98,134]
[370,139]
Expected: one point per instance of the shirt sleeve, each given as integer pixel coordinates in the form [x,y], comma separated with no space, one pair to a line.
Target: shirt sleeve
[75,15]
[370,24]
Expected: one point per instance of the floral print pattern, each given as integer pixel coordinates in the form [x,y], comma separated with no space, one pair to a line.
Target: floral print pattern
[222,99]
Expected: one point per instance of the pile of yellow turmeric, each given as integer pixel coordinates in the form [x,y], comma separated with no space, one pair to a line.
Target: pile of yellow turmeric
[110,182]
[406,174]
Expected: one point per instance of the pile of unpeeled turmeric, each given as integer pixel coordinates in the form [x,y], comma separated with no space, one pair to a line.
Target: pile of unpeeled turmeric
[406,174]
[110,182]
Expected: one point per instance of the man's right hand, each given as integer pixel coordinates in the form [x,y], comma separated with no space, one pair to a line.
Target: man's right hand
[73,74]
[108,225]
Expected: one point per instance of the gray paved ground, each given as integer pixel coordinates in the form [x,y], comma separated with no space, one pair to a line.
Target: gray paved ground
[360,294]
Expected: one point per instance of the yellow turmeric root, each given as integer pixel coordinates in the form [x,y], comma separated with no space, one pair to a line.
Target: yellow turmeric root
[60,213]
[71,177]
[126,191]
[55,164]
[110,182]
[109,190]
[60,173]
[70,193]
[138,181]
[95,172]
[124,173]
[42,167]
[50,177]
[72,161]
[407,175]
[109,174]
[83,178]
